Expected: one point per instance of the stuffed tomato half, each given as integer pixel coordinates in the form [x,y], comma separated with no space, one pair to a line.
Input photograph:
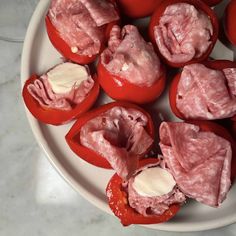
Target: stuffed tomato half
[79,29]
[115,135]
[150,196]
[204,91]
[184,31]
[129,69]
[61,94]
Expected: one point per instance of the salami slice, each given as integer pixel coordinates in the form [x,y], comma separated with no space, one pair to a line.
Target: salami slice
[199,161]
[80,22]
[118,135]
[130,57]
[214,92]
[183,33]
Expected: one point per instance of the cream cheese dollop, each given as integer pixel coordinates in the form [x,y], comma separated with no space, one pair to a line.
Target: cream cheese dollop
[153,182]
[66,76]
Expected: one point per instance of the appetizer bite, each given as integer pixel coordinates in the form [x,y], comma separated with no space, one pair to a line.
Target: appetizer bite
[115,135]
[230,19]
[78,29]
[205,91]
[129,68]
[61,94]
[200,157]
[138,8]
[184,31]
[150,196]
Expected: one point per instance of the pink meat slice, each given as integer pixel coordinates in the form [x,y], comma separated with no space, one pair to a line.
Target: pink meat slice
[214,92]
[183,33]
[80,22]
[200,162]
[130,57]
[41,91]
[118,135]
[147,206]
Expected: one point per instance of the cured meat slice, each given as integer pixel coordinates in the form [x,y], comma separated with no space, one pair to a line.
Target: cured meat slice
[101,11]
[118,135]
[130,57]
[80,23]
[154,205]
[199,161]
[43,92]
[214,92]
[183,33]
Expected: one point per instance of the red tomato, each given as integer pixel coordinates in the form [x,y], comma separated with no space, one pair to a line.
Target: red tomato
[212,2]
[217,65]
[198,5]
[54,116]
[73,136]
[120,89]
[138,8]
[222,132]
[118,202]
[65,50]
[230,19]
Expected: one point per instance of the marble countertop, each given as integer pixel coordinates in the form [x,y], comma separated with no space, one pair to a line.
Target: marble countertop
[35,200]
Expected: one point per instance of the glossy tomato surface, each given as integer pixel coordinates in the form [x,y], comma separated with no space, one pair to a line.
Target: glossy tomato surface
[216,65]
[73,136]
[198,4]
[118,202]
[138,8]
[55,116]
[120,89]
[230,21]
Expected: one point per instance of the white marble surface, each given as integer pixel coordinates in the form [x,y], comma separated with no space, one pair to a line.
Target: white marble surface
[34,199]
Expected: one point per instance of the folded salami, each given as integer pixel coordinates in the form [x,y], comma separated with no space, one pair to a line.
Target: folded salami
[200,161]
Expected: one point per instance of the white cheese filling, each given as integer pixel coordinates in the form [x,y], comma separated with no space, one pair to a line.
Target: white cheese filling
[153,182]
[66,76]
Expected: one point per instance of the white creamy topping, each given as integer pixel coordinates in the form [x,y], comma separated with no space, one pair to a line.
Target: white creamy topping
[153,182]
[66,76]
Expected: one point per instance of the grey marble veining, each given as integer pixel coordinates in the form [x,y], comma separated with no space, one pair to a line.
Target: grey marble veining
[34,199]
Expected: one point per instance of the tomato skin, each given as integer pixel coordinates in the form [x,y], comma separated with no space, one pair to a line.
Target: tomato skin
[215,64]
[212,2]
[200,5]
[118,202]
[120,89]
[230,19]
[64,49]
[138,8]
[222,132]
[54,116]
[90,156]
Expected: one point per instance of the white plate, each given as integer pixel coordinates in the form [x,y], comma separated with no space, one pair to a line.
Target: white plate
[38,56]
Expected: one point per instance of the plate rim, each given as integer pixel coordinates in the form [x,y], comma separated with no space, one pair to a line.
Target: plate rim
[37,132]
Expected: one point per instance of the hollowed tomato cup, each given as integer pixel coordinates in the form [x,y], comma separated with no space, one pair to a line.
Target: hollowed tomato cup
[65,50]
[199,5]
[118,202]
[216,65]
[120,89]
[90,156]
[55,116]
